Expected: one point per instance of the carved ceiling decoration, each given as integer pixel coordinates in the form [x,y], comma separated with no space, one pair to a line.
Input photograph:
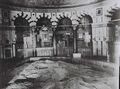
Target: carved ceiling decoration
[47,3]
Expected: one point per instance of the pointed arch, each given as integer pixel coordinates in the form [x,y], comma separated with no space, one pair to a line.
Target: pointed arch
[64,36]
[21,23]
[43,21]
[64,23]
[86,22]
[84,35]
[44,30]
[21,28]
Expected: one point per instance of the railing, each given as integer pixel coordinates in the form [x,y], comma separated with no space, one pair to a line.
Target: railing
[85,51]
[28,52]
[64,51]
[46,51]
[20,53]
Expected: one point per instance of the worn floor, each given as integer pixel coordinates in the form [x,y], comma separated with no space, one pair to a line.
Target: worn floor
[46,74]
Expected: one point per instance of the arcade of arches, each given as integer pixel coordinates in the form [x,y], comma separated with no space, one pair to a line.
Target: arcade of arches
[61,31]
[59,44]
[48,40]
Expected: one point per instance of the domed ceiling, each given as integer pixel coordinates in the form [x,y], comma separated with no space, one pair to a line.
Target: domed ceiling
[47,3]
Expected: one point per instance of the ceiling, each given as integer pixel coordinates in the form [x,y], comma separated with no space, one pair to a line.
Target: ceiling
[47,3]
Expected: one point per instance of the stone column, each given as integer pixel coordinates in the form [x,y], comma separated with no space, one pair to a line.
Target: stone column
[75,39]
[116,45]
[116,53]
[13,49]
[33,40]
[54,42]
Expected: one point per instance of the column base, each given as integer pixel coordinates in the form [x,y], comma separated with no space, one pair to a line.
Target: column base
[76,55]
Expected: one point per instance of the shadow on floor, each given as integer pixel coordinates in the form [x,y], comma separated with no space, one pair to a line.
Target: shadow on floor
[6,66]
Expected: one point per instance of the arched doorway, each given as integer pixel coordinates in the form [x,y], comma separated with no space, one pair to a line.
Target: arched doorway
[64,37]
[84,36]
[22,30]
[44,37]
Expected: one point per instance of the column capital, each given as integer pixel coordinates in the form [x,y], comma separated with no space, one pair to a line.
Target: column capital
[74,26]
[54,26]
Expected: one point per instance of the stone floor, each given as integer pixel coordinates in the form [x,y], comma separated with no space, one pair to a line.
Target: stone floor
[9,68]
[46,74]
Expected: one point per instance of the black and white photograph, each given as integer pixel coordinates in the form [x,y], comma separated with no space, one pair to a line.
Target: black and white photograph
[59,44]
